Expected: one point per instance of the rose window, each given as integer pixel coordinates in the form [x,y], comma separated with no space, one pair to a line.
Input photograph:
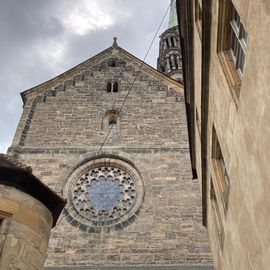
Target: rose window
[104,194]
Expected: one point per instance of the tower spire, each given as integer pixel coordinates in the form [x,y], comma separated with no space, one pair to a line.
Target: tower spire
[170,58]
[173,15]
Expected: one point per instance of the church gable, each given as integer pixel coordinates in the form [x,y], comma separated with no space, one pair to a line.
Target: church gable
[113,57]
[102,81]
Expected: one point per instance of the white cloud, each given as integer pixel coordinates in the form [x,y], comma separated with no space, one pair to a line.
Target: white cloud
[92,15]
[52,52]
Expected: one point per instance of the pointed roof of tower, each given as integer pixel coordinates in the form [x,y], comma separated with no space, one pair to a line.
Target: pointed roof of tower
[173,15]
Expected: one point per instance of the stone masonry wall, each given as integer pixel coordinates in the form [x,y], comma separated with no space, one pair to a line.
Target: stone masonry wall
[66,128]
[24,230]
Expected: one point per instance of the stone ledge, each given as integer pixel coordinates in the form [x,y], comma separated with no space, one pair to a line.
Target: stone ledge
[180,267]
[84,151]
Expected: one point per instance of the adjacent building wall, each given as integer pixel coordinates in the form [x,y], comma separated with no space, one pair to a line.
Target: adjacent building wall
[237,132]
[25,226]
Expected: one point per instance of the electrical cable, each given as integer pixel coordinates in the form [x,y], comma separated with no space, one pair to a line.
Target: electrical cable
[124,101]
[137,74]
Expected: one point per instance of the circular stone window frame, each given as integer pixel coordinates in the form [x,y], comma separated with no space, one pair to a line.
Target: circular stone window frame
[86,224]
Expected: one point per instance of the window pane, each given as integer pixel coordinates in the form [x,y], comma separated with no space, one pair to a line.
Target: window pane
[243,34]
[242,60]
[236,18]
[112,125]
[233,45]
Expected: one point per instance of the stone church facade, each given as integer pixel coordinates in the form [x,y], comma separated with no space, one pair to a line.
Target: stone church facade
[152,213]
[110,136]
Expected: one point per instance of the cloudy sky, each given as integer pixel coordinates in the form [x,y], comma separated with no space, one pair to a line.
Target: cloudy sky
[42,38]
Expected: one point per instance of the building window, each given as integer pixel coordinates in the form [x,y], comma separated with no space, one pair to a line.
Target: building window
[112,87]
[232,45]
[198,17]
[112,124]
[112,63]
[172,41]
[109,87]
[103,192]
[167,43]
[221,174]
[175,61]
[170,63]
[217,222]
[115,87]
[198,122]
[238,42]
[111,120]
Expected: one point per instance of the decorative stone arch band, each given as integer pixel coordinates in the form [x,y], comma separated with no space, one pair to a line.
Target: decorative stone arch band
[102,193]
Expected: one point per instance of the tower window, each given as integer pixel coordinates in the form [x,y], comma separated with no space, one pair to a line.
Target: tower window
[170,62]
[172,40]
[115,87]
[167,43]
[175,61]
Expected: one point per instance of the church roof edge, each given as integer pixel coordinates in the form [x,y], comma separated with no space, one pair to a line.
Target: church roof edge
[39,90]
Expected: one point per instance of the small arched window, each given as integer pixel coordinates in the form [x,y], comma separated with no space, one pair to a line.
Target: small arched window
[109,87]
[111,120]
[172,40]
[170,63]
[175,62]
[113,63]
[167,43]
[115,87]
[112,124]
[162,69]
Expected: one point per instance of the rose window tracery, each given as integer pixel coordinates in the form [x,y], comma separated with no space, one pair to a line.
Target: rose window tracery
[104,193]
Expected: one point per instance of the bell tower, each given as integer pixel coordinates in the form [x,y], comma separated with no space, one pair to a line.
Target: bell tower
[170,58]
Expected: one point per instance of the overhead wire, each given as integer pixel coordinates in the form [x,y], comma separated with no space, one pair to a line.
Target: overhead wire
[137,74]
[130,88]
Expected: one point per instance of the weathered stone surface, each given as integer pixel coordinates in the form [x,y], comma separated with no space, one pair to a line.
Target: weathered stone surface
[66,129]
[24,230]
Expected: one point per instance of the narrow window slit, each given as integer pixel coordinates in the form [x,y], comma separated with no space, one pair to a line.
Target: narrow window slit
[109,87]
[115,87]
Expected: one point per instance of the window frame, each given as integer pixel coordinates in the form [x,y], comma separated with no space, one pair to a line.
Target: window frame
[216,215]
[111,116]
[115,87]
[222,178]
[112,87]
[198,18]
[239,38]
[230,64]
